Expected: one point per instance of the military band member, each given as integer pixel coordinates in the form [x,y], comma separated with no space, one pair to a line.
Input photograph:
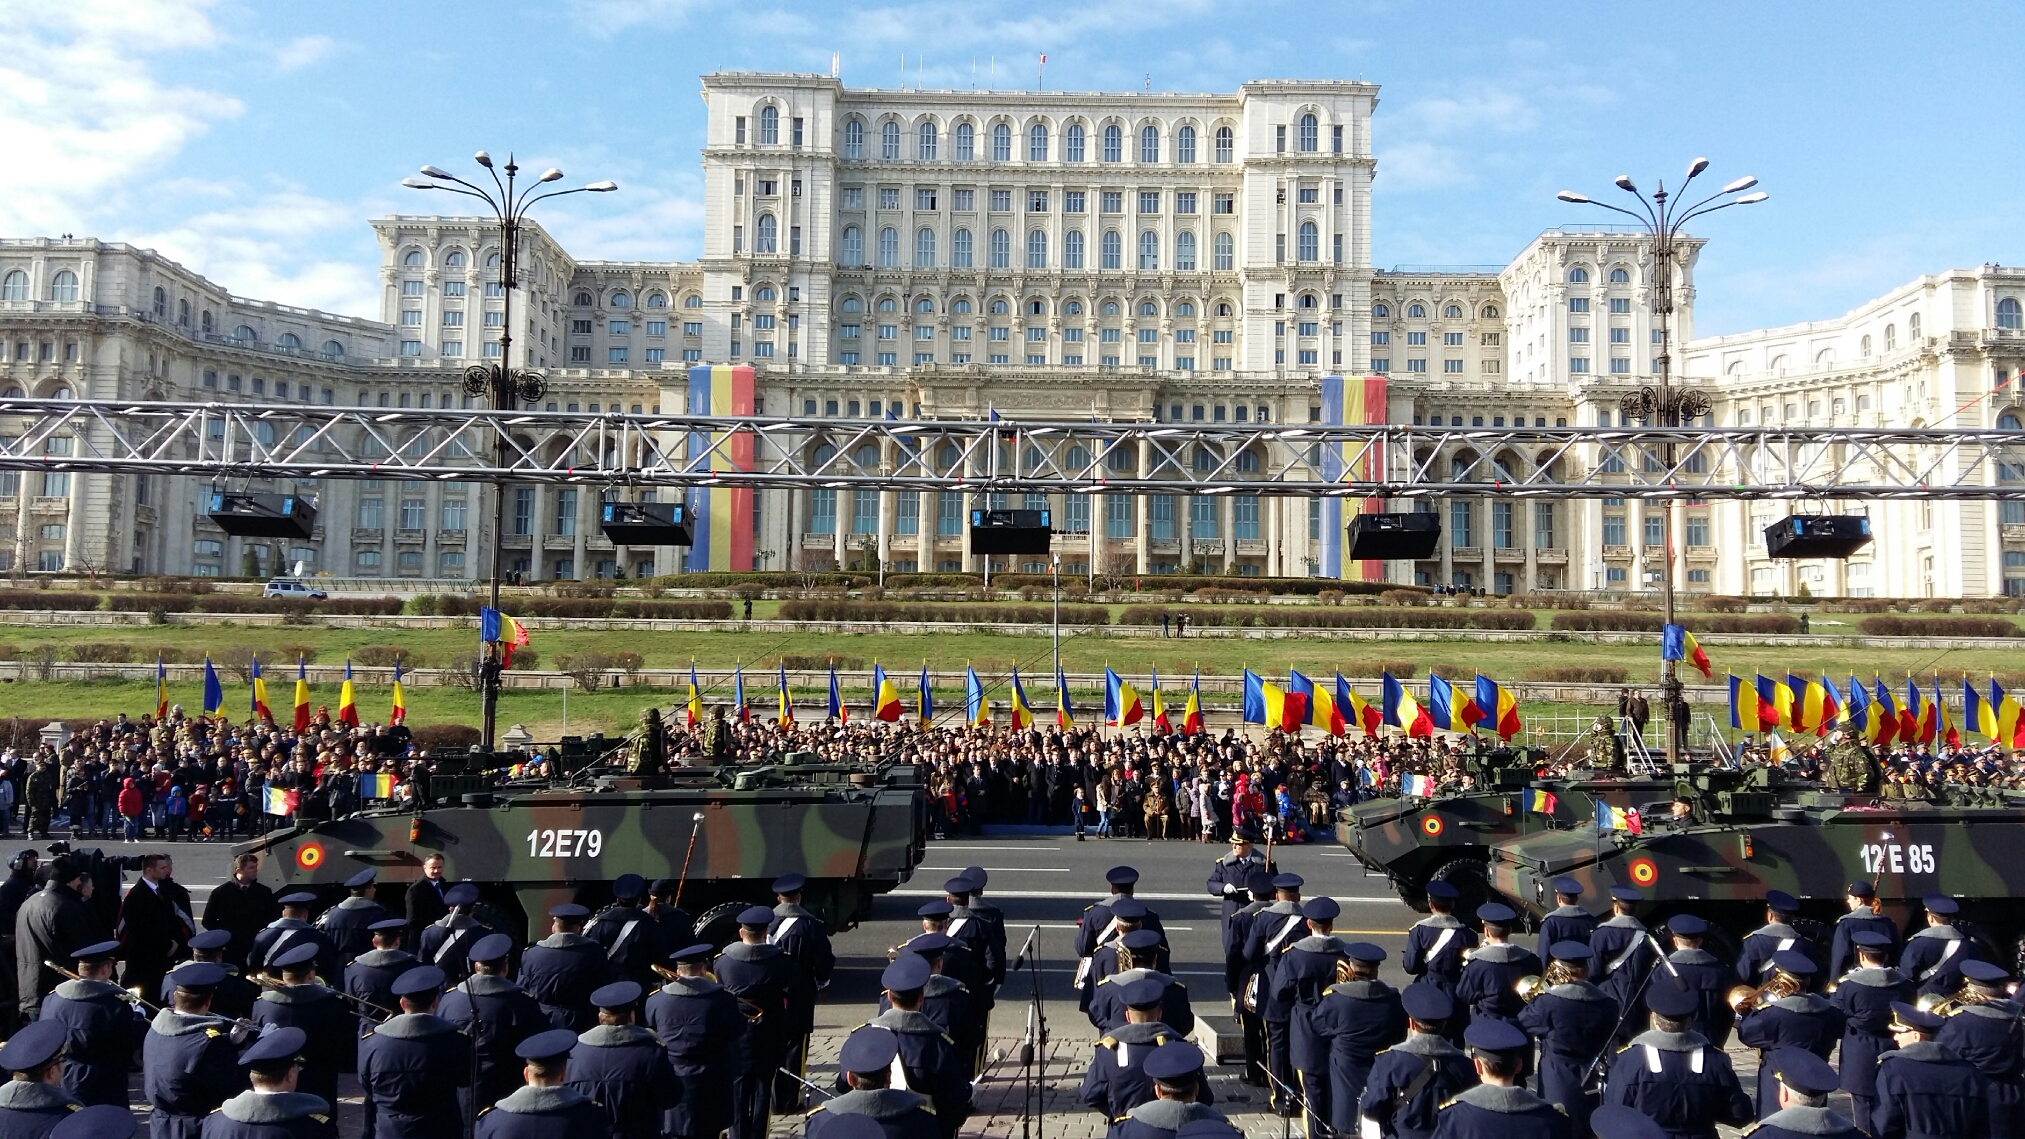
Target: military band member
[1116,1081]
[1933,956]
[1567,921]
[673,927]
[235,994]
[1487,990]
[1624,955]
[33,1100]
[446,943]
[547,1107]
[562,970]
[189,1060]
[1237,972]
[1865,995]
[994,920]
[412,1064]
[1777,935]
[1573,1021]
[1705,975]
[802,938]
[1984,1031]
[1498,1107]
[627,932]
[967,930]
[1107,1007]
[1436,943]
[1804,1020]
[1272,929]
[370,976]
[1804,1082]
[1230,876]
[1097,927]
[1354,1021]
[933,1065]
[945,1001]
[331,1026]
[761,976]
[622,1066]
[1176,1071]
[1412,1079]
[273,1108]
[865,1066]
[102,1029]
[349,924]
[1863,914]
[289,930]
[1127,914]
[1276,1005]
[491,1008]
[1675,1074]
[1925,1090]
[700,1025]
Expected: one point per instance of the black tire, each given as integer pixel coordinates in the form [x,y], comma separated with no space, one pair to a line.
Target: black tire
[1471,878]
[719,924]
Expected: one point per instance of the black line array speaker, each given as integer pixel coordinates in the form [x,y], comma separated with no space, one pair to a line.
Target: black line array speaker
[1010,532]
[261,515]
[1817,536]
[1394,537]
[648,523]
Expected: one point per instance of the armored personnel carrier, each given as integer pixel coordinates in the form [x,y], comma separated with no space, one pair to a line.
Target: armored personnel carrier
[856,831]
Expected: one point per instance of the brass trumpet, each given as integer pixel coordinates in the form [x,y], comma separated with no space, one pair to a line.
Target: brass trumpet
[753,1013]
[1530,987]
[1952,1003]
[1744,998]
[133,997]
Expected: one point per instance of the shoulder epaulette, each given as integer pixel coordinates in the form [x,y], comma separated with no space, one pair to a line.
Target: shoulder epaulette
[1558,1107]
[949,1038]
[926,1106]
[73,1107]
[1107,1042]
[482,1113]
[816,1109]
[1754,1127]
[1121,1119]
[1108,979]
[213,1033]
[1450,1103]
[319,1118]
[363,1035]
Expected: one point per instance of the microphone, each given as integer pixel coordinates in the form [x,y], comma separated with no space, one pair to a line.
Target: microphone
[1679,982]
[1020,960]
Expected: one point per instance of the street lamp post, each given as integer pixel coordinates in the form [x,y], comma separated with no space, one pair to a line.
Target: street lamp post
[1663,218]
[506,385]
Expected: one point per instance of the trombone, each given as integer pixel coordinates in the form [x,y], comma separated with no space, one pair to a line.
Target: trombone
[1744,998]
[380,1012]
[133,997]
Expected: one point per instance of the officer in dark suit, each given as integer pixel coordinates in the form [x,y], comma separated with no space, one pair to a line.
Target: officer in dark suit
[1486,989]
[622,1066]
[189,1060]
[34,1101]
[241,906]
[1573,1021]
[1804,1020]
[1567,921]
[1237,976]
[1178,1084]
[1096,927]
[290,930]
[1865,995]
[547,1107]
[1412,1079]
[1116,1081]
[1706,976]
[102,1029]
[1273,929]
[1933,956]
[235,994]
[994,920]
[370,976]
[564,968]
[958,962]
[933,1064]
[446,943]
[627,932]
[945,1001]
[1498,1107]
[760,975]
[1861,916]
[1436,943]
[1339,1037]
[411,1065]
[703,1031]
[1279,1000]
[1925,1089]
[1803,1082]
[299,1002]
[1674,1074]
[801,937]
[1303,973]
[273,1108]
[1107,1008]
[425,902]
[1985,1032]
[872,1108]
[1623,956]
[491,1008]
[349,924]
[1777,935]
[1230,876]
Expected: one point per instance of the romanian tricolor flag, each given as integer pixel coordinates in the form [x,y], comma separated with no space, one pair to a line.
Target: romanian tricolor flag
[1749,710]
[1813,705]
[1538,802]
[1022,712]
[1324,712]
[695,706]
[836,709]
[1860,712]
[2010,716]
[1121,701]
[1301,688]
[301,695]
[377,786]
[976,709]
[1609,818]
[214,692]
[1162,726]
[1401,710]
[1920,720]
[1355,709]
[275,801]
[1994,716]
[1676,643]
[161,688]
[1944,725]
[1065,713]
[1500,709]
[1191,712]
[1443,711]
[738,692]
[1884,710]
[786,716]
[721,516]
[1268,704]
[399,711]
[924,699]
[348,704]
[259,685]
[885,697]
[510,634]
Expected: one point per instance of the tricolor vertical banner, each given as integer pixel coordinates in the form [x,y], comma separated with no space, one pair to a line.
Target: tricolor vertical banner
[1356,401]
[721,516]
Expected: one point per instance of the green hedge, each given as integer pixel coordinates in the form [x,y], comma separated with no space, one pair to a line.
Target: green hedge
[1305,618]
[1600,621]
[1939,627]
[886,611]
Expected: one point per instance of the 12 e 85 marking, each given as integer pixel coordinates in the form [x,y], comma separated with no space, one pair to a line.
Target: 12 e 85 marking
[1893,858]
[565,843]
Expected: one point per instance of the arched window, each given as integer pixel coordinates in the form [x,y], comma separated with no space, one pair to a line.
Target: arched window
[966,142]
[182,309]
[1310,245]
[1149,144]
[1912,331]
[1072,143]
[999,307]
[948,456]
[961,307]
[244,334]
[1072,249]
[1778,365]
[1226,253]
[767,241]
[1204,459]
[1072,308]
[623,299]
[1416,311]
[161,301]
[1113,253]
[1311,133]
[1037,249]
[2009,315]
[924,142]
[889,248]
[1890,337]
[1380,310]
[889,141]
[694,300]
[1149,251]
[888,304]
[492,260]
[769,126]
[1226,144]
[1001,249]
[924,305]
[867,457]
[1114,143]
[1184,144]
[413,259]
[1223,308]
[333,348]
[63,287]
[1490,312]
[763,293]
[823,453]
[1863,346]
[1184,252]
[15,288]
[1184,308]
[924,248]
[1825,358]
[1619,277]
[1110,308]
[657,300]
[959,249]
[1452,312]
[1037,143]
[1148,308]
[1247,461]
[1001,143]
[204,323]
[2009,422]
[854,138]
[852,304]
[1578,275]
[290,342]
[854,246]
[454,259]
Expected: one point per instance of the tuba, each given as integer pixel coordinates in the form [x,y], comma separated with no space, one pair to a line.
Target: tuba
[1952,1003]
[1744,998]
[1529,988]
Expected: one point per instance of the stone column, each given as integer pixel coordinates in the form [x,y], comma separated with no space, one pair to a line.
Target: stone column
[1142,518]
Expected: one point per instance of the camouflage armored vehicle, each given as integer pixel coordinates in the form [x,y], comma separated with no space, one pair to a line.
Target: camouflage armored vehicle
[856,831]
[1753,831]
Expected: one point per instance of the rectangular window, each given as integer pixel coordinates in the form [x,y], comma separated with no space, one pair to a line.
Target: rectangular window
[618,355]
[1416,365]
[523,511]
[1223,203]
[1620,336]
[1578,336]
[453,514]
[414,514]
[1160,517]
[1001,201]
[1117,516]
[1452,367]
[1620,305]
[1072,201]
[372,513]
[1461,525]
[964,200]
[1381,364]
[889,197]
[854,197]
[948,513]
[822,511]
[1149,201]
[1620,365]
[625,328]
[1698,530]
[924,198]
[565,513]
[1613,530]
[1655,531]
[864,512]
[1202,516]
[1113,202]
[907,514]
[1578,304]
[1543,526]
[1244,517]
[1184,201]
[1037,201]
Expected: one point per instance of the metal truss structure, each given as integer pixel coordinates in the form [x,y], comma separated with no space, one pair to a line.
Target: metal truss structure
[227,442]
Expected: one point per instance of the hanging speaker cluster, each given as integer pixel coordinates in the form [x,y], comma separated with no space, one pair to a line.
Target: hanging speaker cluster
[1817,536]
[261,515]
[1394,537]
[1010,532]
[647,523]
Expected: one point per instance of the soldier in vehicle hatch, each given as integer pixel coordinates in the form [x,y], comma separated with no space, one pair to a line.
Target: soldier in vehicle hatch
[717,737]
[648,744]
[1850,766]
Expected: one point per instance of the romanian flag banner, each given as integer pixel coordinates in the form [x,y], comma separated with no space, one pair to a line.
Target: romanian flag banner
[1944,725]
[1162,725]
[1301,688]
[1676,643]
[924,700]
[276,801]
[1350,401]
[399,711]
[348,704]
[161,688]
[260,709]
[1121,701]
[1609,818]
[1402,711]
[2010,716]
[1355,709]
[786,716]
[976,709]
[1191,712]
[1538,802]
[1886,713]
[1444,712]
[1022,712]
[1749,711]
[1860,712]
[1065,714]
[301,694]
[510,634]
[1813,705]
[695,698]
[738,692]
[1924,716]
[1324,711]
[836,709]
[1499,708]
[885,697]
[214,692]
[377,786]
[1978,714]
[1267,704]
[721,517]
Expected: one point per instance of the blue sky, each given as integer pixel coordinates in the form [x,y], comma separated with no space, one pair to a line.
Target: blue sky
[252,140]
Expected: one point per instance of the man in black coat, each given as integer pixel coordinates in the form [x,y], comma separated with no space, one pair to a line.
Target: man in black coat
[234,997]
[52,922]
[1865,996]
[801,936]
[241,906]
[21,883]
[155,924]
[547,1107]
[626,932]
[272,1108]
[425,902]
[1923,1087]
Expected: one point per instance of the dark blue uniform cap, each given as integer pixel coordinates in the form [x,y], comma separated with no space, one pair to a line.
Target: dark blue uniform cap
[1872,939]
[1439,889]
[939,908]
[929,944]
[420,979]
[97,951]
[386,926]
[1320,909]
[1675,1004]
[1244,834]
[198,975]
[1128,909]
[1803,1071]
[1173,1062]
[99,1121]
[978,878]
[571,911]
[1288,881]
[618,994]
[1941,904]
[1121,876]
[491,947]
[1208,1129]
[1142,939]
[360,880]
[1624,894]
[1568,886]
[663,888]
[1616,1122]
[908,971]
[1495,1036]
[299,898]
[33,1046]
[1569,951]
[278,1048]
[1861,890]
[1686,925]
[958,886]
[790,883]
[868,1049]
[462,894]
[298,955]
[1425,1003]
[1795,962]
[1779,901]
[1259,882]
[629,886]
[756,915]
[551,1045]
[1143,993]
[211,939]
[1364,953]
[701,951]
[1497,913]
[1976,969]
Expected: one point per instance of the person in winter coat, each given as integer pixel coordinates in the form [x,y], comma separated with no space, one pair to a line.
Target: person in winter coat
[51,924]
[131,806]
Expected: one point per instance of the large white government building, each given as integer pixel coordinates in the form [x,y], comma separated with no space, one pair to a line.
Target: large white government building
[1065,255]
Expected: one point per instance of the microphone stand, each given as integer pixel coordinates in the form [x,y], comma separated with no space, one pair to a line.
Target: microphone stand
[1590,1072]
[797,1078]
[1033,1050]
[1299,1101]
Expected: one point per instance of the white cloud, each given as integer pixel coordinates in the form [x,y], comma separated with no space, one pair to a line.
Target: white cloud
[254,247]
[1417,165]
[304,51]
[606,18]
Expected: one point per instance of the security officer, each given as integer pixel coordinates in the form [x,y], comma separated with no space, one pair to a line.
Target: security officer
[1924,1089]
[1804,1082]
[1107,1005]
[1777,935]
[370,976]
[189,1061]
[412,1064]
[761,976]
[801,936]
[1097,926]
[1567,921]
[994,920]
[1933,956]
[446,943]
[627,932]
[235,996]
[1865,995]
[1116,1081]
[34,1101]
[1803,1020]
[299,1002]
[491,1008]
[273,1108]
[1436,943]
[1985,1033]
[289,930]
[931,1060]
[1498,1107]
[1345,1031]
[349,924]
[1674,1074]
[1237,974]
[700,1026]
[622,1066]
[1279,998]
[1486,989]
[1862,915]
[1230,876]
[102,1029]
[1705,975]
[1623,954]
[865,1066]
[1410,1080]
[547,1108]
[561,970]
[1178,1087]
[1112,956]
[1574,1022]
[945,1001]
[673,927]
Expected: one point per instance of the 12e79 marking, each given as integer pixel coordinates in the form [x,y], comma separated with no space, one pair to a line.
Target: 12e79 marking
[565,843]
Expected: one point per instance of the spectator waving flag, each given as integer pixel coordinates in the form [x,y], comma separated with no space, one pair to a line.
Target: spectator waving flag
[1353,706]
[976,709]
[278,801]
[399,711]
[259,685]
[348,705]
[214,692]
[1499,707]
[1676,643]
[495,626]
[1402,711]
[301,695]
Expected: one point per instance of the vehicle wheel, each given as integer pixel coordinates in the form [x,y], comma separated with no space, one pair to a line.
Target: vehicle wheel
[719,924]
[1471,878]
